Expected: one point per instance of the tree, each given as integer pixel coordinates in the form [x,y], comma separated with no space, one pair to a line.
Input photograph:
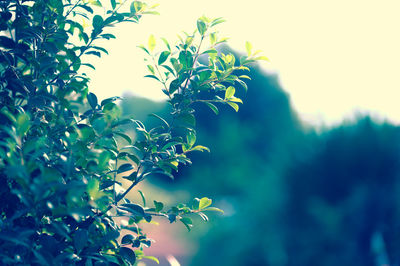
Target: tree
[64,153]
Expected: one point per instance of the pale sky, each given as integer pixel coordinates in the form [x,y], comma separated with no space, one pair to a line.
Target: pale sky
[333,57]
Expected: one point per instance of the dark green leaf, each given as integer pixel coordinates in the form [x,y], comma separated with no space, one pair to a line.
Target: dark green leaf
[97,22]
[188,119]
[87,8]
[212,107]
[133,208]
[172,217]
[96,53]
[6,42]
[89,65]
[80,239]
[143,198]
[158,206]
[134,158]
[127,239]
[161,119]
[152,76]
[92,99]
[113,4]
[124,136]
[128,254]
[99,48]
[187,222]
[163,57]
[125,167]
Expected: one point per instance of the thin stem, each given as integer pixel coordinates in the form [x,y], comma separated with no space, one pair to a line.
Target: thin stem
[115,177]
[72,8]
[162,80]
[194,63]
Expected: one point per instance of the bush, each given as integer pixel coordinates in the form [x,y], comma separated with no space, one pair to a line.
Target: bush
[64,153]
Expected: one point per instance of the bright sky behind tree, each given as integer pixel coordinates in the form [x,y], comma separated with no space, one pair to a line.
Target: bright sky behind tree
[334,58]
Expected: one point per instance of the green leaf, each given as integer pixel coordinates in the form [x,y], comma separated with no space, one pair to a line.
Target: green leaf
[264,58]
[144,49]
[241,82]
[158,206]
[191,138]
[128,254]
[188,119]
[203,216]
[163,57]
[236,100]
[96,53]
[125,167]
[99,48]
[143,198]
[97,22]
[133,208]
[248,48]
[230,91]
[217,21]
[160,118]
[134,158]
[166,43]
[95,3]
[124,136]
[201,27]
[200,148]
[113,4]
[87,8]
[89,65]
[127,239]
[244,77]
[6,42]
[92,99]
[210,52]
[152,77]
[204,203]
[23,124]
[151,69]
[152,43]
[151,258]
[80,239]
[108,36]
[138,6]
[234,106]
[213,209]
[212,107]
[187,222]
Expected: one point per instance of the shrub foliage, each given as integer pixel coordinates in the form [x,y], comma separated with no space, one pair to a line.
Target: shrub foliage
[64,153]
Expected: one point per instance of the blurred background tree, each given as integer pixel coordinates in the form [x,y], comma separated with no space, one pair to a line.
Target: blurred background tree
[292,195]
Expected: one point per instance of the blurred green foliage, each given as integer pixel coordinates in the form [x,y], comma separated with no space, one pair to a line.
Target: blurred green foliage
[293,195]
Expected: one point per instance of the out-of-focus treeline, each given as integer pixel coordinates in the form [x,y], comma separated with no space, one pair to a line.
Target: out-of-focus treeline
[292,195]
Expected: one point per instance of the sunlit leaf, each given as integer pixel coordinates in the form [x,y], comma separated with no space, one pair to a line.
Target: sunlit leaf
[230,91]
[248,48]
[204,203]
[152,43]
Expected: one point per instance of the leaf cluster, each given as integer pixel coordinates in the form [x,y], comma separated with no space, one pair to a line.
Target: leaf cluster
[64,153]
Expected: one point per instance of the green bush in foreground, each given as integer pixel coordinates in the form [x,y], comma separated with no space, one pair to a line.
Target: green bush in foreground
[61,149]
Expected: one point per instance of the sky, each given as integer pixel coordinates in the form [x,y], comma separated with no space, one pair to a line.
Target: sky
[335,58]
